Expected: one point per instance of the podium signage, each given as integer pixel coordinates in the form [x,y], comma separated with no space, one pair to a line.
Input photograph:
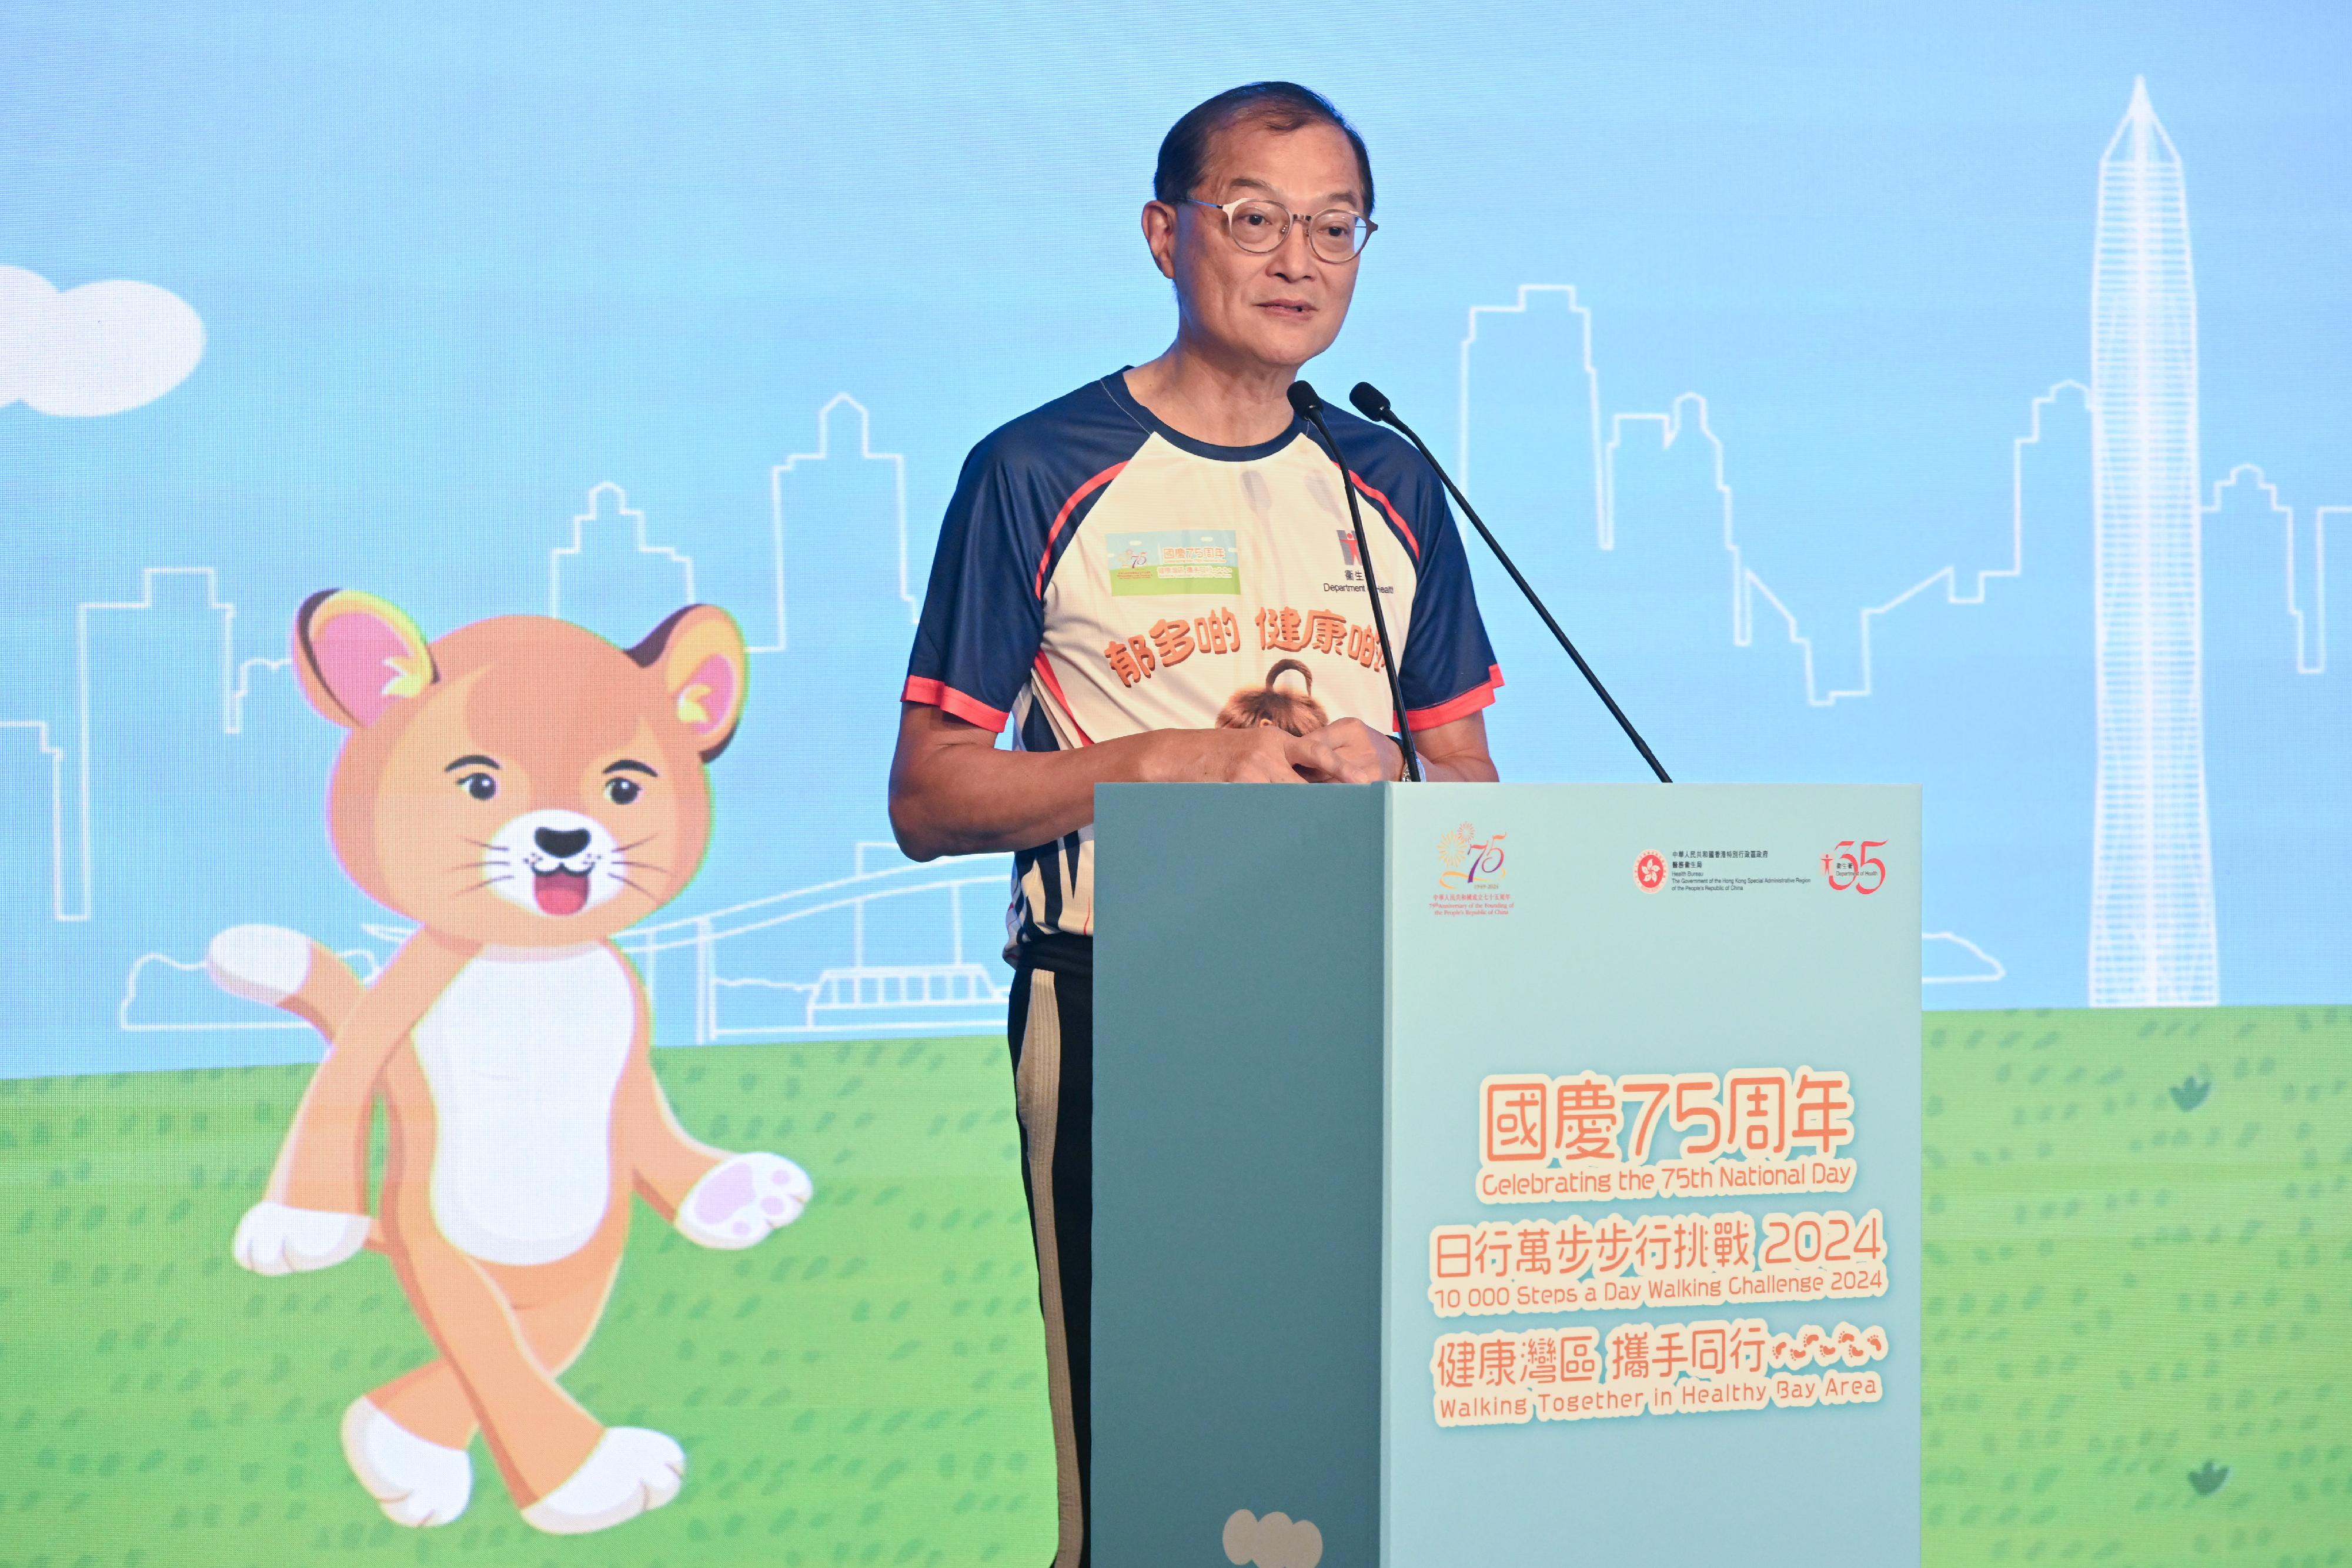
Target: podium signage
[1613,1096]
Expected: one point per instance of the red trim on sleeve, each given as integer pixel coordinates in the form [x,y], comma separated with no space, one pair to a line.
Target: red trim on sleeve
[1080,494]
[1469,702]
[1394,515]
[945,697]
[1046,673]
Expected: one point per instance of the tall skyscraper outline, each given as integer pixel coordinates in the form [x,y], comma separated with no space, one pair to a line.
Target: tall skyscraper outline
[2153,942]
[246,670]
[2308,656]
[229,715]
[824,453]
[1603,525]
[577,550]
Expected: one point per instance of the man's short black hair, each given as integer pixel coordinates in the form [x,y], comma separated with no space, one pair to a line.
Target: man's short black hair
[1276,105]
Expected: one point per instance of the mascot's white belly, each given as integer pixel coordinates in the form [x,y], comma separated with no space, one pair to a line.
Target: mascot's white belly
[524,1053]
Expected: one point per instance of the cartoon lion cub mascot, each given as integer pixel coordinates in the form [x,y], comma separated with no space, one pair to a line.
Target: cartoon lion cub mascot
[522,790]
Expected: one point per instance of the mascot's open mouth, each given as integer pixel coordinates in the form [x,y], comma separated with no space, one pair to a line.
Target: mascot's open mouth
[559,891]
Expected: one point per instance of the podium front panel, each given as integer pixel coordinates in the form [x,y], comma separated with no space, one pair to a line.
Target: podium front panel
[1594,989]
[1238,1155]
[1500,1173]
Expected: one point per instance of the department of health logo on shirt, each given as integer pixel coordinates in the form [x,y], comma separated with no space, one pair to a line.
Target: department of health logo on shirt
[1164,562]
[1351,565]
[1471,870]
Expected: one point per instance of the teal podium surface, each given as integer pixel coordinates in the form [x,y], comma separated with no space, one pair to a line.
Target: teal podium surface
[1505,1174]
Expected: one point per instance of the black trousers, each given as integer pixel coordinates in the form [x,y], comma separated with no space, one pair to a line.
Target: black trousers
[1051,1029]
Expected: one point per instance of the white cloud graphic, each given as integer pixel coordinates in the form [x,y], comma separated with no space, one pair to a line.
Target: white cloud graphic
[100,349]
[1947,959]
[1277,1541]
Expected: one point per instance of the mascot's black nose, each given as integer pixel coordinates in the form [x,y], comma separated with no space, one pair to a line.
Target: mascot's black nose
[563,846]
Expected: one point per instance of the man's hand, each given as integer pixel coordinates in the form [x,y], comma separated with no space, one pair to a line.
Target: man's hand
[1263,755]
[1366,755]
[954,792]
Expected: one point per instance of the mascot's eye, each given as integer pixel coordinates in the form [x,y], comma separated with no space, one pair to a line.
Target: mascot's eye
[480,786]
[621,791]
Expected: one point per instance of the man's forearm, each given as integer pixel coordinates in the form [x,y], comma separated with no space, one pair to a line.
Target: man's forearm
[1458,769]
[976,799]
[1465,762]
[1453,753]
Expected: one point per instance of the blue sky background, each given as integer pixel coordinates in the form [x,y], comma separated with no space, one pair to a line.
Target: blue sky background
[455,269]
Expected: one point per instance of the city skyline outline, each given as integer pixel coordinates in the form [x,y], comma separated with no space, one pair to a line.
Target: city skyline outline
[1687,416]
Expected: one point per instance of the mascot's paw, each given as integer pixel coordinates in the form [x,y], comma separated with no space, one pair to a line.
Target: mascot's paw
[740,1200]
[275,1239]
[629,1471]
[265,964]
[416,1483]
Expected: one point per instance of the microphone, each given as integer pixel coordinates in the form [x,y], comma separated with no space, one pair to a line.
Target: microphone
[1373,405]
[1309,407]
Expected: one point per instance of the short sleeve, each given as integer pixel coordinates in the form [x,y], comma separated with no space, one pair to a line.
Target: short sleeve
[1447,670]
[982,618]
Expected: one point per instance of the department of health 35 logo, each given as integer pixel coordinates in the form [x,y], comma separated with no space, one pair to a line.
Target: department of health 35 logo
[1852,866]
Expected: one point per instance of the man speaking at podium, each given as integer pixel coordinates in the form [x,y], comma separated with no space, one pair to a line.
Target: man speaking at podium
[1154,579]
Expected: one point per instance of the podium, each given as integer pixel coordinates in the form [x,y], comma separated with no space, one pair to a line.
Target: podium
[1505,1174]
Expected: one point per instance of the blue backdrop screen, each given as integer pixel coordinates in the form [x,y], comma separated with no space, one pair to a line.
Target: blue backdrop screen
[1952,395]
[1780,352]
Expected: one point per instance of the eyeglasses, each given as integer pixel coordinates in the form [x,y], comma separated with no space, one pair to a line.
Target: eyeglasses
[1259,227]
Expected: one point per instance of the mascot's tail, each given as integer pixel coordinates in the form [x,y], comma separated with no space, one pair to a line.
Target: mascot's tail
[284,968]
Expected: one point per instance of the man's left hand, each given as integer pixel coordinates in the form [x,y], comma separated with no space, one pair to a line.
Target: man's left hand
[1366,755]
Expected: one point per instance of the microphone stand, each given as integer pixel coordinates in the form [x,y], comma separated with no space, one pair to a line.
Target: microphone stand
[1309,407]
[1373,406]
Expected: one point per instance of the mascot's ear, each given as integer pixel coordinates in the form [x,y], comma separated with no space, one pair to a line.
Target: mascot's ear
[698,654]
[358,655]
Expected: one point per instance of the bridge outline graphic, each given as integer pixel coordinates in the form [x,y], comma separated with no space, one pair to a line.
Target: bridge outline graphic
[855,999]
[851,1001]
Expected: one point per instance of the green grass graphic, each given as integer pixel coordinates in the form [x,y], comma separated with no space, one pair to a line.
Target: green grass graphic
[2138,1291]
[2138,1309]
[862,1388]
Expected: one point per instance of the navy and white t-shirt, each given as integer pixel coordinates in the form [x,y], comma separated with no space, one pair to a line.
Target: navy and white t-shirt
[1100,574]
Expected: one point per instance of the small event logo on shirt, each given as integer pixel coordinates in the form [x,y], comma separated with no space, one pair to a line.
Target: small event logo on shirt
[1165,561]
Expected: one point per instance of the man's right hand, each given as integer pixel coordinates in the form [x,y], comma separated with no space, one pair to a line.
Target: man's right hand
[1261,755]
